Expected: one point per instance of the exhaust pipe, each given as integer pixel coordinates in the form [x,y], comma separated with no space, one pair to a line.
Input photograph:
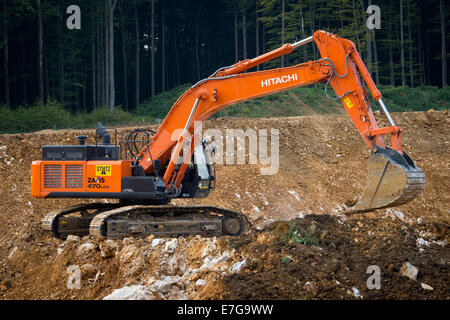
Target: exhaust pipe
[103,134]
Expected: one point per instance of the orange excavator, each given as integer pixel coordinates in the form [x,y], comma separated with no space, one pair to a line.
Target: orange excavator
[161,168]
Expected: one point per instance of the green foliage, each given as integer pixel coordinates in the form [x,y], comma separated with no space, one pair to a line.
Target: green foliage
[286,260]
[53,116]
[295,102]
[37,117]
[312,100]
[293,232]
[7,117]
[308,235]
[158,106]
[414,99]
[103,115]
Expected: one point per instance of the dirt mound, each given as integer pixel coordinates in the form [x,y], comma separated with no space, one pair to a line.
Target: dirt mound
[331,261]
[316,254]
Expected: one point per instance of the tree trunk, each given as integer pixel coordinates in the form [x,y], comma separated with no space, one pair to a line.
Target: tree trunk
[302,20]
[41,54]
[257,32]
[311,24]
[263,31]
[369,50]
[6,54]
[391,64]
[84,86]
[75,88]
[236,44]
[100,74]
[391,57]
[411,73]
[244,35]
[124,58]
[153,49]
[24,63]
[112,90]
[444,51]
[356,24]
[61,54]
[428,73]
[422,73]
[197,57]
[358,18]
[136,21]
[419,37]
[177,61]
[402,49]
[421,60]
[106,86]
[208,54]
[340,17]
[375,52]
[94,93]
[283,3]
[47,95]
[163,51]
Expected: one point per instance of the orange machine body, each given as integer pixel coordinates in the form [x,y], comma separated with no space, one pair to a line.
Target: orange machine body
[78,177]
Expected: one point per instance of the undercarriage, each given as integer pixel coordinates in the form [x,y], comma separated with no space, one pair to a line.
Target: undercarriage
[113,220]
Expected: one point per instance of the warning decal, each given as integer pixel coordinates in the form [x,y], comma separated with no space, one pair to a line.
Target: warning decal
[348,102]
[102,170]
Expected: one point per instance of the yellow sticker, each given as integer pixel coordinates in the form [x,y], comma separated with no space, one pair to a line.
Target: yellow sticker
[348,102]
[103,170]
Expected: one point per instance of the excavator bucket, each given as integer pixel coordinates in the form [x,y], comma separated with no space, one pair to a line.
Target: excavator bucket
[393,180]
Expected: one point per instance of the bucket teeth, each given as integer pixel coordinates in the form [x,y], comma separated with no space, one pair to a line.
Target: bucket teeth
[392,181]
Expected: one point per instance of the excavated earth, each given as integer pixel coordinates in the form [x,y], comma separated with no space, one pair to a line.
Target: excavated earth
[300,247]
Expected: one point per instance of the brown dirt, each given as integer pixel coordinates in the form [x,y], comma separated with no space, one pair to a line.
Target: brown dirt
[322,167]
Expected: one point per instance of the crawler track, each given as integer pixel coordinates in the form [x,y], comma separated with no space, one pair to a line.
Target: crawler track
[118,221]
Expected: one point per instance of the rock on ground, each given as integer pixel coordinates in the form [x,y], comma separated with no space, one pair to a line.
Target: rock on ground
[85,248]
[134,292]
[108,248]
[409,271]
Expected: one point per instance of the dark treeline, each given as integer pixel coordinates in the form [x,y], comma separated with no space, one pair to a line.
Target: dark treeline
[129,50]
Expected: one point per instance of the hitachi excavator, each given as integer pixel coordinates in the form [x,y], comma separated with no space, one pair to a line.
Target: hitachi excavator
[161,168]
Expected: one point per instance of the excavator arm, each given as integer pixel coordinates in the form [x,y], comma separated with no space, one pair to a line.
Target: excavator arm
[393,177]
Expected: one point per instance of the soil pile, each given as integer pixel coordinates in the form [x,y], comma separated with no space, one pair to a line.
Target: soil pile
[301,246]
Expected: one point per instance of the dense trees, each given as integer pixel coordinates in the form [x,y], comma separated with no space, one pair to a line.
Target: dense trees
[128,51]
[5,54]
[444,36]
